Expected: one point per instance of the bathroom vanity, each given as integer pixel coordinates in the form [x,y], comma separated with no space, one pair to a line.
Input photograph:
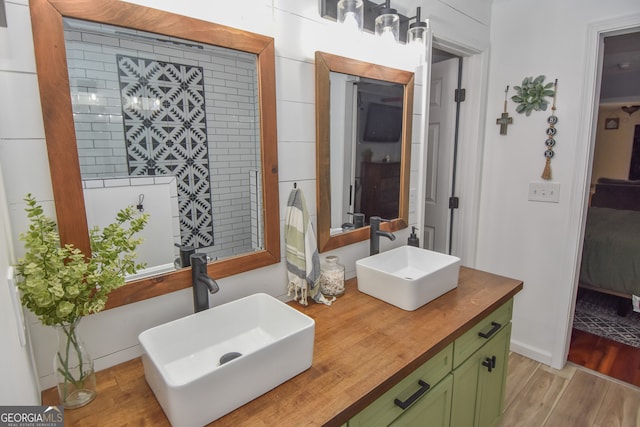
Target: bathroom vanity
[446,362]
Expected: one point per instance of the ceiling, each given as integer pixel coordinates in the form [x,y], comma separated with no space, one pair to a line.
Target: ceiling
[621,70]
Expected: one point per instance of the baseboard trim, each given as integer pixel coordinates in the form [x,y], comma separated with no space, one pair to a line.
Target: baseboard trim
[536,354]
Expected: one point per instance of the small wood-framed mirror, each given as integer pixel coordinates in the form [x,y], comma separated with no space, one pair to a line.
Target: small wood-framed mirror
[395,87]
[48,22]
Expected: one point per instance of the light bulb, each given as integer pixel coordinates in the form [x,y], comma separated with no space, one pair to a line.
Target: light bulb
[350,14]
[387,25]
[350,21]
[387,35]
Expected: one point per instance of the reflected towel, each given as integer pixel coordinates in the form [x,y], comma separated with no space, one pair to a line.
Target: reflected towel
[303,261]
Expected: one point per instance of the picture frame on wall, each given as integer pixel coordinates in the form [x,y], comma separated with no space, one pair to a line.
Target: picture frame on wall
[611,124]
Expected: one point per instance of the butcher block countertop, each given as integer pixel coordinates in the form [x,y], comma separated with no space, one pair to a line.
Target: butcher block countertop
[363,347]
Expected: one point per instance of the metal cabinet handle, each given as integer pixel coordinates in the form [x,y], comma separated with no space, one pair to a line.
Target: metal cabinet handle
[424,387]
[495,327]
[489,363]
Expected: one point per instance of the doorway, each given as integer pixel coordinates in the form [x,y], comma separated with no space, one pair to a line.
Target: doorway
[612,155]
[444,117]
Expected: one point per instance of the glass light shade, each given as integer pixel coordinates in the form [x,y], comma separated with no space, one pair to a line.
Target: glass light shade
[388,25]
[418,33]
[351,14]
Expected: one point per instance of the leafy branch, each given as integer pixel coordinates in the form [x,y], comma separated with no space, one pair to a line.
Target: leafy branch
[60,284]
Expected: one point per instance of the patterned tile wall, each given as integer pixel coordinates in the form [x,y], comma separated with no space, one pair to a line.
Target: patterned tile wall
[232,121]
[163,109]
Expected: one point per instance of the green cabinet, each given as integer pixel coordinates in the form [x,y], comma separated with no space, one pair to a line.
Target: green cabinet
[462,386]
[412,393]
[434,409]
[479,383]
[480,360]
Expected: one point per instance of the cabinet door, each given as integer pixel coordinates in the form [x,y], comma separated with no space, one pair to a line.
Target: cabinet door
[465,388]
[478,384]
[432,410]
[491,382]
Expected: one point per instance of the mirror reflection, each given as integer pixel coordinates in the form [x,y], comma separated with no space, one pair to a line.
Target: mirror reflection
[363,133]
[171,126]
[366,149]
[174,47]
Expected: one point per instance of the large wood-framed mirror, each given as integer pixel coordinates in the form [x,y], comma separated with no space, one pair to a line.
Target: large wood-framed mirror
[50,19]
[377,144]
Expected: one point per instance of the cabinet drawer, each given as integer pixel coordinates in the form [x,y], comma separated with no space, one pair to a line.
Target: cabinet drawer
[384,410]
[471,341]
[433,410]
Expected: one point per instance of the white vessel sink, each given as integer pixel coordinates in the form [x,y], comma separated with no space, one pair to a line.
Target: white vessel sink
[182,358]
[407,277]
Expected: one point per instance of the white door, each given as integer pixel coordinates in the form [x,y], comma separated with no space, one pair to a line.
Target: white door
[439,173]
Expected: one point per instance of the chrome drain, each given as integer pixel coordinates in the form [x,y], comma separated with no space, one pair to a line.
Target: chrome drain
[228,357]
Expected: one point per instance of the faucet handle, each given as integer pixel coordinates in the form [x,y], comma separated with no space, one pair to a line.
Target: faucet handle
[379,219]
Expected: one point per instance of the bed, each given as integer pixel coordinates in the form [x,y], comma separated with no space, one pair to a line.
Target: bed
[611,252]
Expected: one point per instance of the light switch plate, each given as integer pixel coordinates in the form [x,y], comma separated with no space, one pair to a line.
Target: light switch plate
[544,192]
[412,200]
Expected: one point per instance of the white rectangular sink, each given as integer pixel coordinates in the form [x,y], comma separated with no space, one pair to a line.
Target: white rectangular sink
[182,358]
[407,277]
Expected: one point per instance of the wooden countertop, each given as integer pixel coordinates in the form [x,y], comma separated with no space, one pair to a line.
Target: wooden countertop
[363,346]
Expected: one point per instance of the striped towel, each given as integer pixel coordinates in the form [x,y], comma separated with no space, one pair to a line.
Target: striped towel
[303,261]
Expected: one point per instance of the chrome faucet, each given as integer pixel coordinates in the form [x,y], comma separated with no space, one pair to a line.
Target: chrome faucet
[375,233]
[201,282]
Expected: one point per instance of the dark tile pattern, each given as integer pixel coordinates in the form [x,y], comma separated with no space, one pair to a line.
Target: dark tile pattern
[163,108]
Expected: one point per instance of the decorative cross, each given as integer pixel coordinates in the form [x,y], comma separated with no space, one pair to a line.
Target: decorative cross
[504,120]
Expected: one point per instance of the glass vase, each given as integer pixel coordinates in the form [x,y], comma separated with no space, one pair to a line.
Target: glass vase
[73,367]
[332,277]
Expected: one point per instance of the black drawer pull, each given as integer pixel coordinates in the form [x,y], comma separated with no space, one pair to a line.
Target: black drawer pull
[424,387]
[489,363]
[495,326]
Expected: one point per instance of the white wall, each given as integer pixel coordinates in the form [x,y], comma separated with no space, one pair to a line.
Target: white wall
[538,242]
[612,154]
[21,386]
[111,336]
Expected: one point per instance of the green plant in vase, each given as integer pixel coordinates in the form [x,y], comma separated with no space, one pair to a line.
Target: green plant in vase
[60,285]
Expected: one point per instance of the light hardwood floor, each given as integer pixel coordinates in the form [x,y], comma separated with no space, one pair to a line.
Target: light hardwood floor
[538,395]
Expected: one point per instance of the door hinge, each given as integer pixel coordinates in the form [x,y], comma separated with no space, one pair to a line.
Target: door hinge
[453,202]
[460,95]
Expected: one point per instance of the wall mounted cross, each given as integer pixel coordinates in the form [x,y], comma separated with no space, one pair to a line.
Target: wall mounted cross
[504,120]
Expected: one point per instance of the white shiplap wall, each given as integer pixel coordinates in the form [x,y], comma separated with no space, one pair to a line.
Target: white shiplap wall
[298,31]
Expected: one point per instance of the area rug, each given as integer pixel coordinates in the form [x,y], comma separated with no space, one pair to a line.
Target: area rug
[596,313]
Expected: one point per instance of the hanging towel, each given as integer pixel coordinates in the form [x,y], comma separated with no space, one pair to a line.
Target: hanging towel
[303,261]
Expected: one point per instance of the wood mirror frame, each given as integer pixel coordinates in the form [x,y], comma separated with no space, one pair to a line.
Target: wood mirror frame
[325,63]
[51,64]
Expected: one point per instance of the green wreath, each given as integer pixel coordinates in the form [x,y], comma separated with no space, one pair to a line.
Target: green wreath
[531,95]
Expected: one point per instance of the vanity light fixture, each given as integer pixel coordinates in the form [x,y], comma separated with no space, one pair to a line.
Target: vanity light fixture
[417,33]
[329,9]
[387,24]
[351,14]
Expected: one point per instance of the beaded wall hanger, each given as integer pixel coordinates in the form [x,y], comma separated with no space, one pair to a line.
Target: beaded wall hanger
[552,120]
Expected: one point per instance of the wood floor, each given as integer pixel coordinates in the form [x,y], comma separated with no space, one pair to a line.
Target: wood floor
[538,395]
[605,356]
